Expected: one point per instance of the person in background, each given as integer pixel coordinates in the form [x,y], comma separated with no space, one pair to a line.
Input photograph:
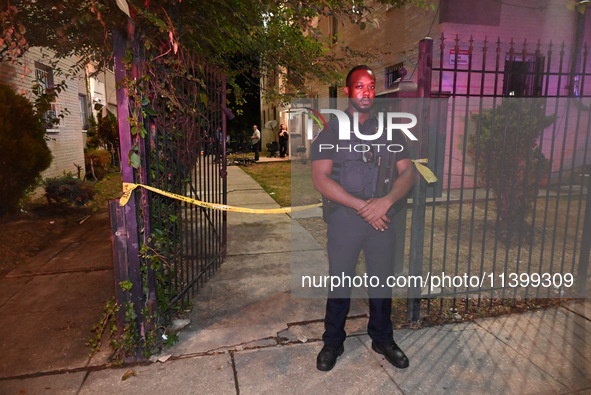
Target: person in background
[254,141]
[283,140]
[217,144]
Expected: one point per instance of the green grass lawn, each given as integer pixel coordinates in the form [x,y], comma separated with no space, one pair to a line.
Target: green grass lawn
[277,179]
[108,188]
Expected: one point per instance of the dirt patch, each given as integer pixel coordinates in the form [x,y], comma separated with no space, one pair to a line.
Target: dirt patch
[25,234]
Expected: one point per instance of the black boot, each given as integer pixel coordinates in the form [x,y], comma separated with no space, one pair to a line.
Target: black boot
[392,353]
[327,357]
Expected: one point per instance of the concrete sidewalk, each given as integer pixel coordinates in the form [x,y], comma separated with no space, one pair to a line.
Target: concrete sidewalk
[248,335]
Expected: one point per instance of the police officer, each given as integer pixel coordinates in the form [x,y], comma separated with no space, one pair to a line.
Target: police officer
[358,216]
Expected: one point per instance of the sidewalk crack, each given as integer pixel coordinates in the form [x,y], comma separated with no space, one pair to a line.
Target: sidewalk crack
[576,313]
[221,348]
[236,385]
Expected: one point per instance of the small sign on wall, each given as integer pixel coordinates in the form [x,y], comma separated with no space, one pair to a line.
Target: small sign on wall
[461,57]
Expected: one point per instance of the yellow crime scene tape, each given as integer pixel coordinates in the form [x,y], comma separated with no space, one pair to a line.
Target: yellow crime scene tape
[424,170]
[129,187]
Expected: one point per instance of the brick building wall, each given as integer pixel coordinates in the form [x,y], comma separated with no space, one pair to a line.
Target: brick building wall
[66,139]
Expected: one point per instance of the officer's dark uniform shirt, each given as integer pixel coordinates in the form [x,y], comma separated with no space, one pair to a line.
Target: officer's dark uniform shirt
[355,161]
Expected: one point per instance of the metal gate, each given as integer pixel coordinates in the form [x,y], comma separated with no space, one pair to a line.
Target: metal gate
[172,122]
[466,233]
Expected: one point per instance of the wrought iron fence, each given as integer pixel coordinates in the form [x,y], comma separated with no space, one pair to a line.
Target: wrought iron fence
[183,155]
[474,224]
[173,128]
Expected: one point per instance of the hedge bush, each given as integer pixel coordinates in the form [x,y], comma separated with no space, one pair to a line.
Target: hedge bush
[23,149]
[68,189]
[97,163]
[507,152]
[103,132]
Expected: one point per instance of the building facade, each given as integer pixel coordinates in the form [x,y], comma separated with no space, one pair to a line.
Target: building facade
[86,93]
[481,49]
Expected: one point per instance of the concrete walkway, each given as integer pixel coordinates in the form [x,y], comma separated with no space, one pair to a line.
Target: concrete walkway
[249,335]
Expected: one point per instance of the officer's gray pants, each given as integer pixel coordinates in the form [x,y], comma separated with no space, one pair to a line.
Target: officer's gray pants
[348,235]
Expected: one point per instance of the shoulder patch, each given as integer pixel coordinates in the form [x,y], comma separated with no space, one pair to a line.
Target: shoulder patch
[317,134]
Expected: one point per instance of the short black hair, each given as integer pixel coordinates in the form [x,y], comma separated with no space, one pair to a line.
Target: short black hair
[354,69]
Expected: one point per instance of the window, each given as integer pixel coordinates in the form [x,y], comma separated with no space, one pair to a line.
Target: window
[333,29]
[392,74]
[44,76]
[523,77]
[470,12]
[83,111]
[332,96]
[44,79]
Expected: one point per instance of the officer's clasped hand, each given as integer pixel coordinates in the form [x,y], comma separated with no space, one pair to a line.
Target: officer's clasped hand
[374,213]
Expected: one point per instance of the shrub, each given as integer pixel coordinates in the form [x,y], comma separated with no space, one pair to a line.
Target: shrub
[508,156]
[97,163]
[103,132]
[23,149]
[108,131]
[68,189]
